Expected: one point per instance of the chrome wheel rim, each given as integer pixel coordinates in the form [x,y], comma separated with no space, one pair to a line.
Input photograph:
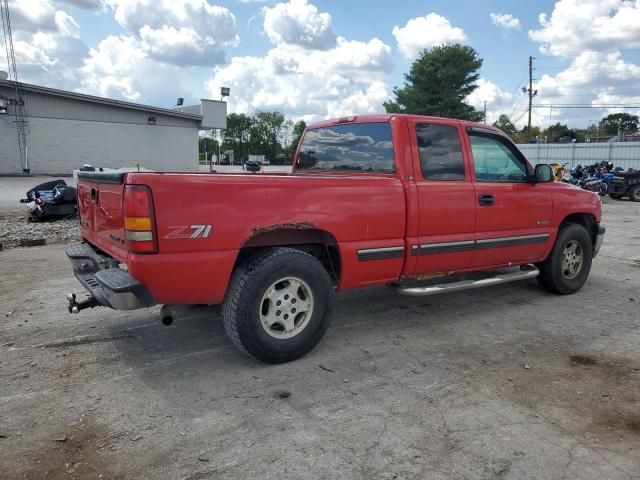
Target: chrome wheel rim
[572,259]
[286,307]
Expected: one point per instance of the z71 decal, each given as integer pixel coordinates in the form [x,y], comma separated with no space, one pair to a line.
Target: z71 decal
[188,233]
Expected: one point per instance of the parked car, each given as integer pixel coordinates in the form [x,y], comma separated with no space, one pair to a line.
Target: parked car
[426,205]
[625,184]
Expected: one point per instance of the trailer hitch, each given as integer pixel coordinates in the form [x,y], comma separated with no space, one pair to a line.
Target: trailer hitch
[76,307]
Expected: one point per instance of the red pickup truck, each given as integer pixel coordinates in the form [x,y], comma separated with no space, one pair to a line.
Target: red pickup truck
[424,204]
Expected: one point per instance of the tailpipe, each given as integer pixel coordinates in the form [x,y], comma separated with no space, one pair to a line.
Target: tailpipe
[167,314]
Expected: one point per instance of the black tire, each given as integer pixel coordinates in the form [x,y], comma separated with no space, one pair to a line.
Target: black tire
[241,309]
[552,277]
[616,196]
[634,193]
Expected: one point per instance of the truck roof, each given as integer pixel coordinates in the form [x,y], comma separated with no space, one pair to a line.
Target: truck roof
[385,117]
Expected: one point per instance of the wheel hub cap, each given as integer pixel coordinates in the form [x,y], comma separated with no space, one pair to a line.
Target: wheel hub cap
[572,258]
[286,307]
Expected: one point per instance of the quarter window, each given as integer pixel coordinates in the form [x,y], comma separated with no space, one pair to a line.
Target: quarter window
[495,161]
[440,152]
[354,147]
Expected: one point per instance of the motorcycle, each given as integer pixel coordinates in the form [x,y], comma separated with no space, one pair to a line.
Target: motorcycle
[51,200]
[595,178]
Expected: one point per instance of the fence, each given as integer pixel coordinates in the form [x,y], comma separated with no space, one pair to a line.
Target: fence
[622,154]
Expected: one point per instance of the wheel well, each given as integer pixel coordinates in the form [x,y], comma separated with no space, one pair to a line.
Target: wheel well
[587,220]
[317,243]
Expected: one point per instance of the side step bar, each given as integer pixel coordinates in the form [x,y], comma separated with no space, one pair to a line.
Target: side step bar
[526,272]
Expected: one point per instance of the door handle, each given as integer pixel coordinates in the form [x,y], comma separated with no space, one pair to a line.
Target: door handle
[485,199]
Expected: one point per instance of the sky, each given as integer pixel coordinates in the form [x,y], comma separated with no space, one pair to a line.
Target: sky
[316,59]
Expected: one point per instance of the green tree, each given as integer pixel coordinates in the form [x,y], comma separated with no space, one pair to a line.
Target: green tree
[438,83]
[627,122]
[523,137]
[298,129]
[552,132]
[237,135]
[266,130]
[505,124]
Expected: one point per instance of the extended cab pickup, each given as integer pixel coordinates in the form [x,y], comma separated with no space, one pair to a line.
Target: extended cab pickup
[424,204]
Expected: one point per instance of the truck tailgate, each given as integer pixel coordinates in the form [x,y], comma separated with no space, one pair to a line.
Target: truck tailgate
[100,211]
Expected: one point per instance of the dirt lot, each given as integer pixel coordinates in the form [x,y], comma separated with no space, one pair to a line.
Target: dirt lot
[508,382]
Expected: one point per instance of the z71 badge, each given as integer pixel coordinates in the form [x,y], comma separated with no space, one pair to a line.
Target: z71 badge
[188,233]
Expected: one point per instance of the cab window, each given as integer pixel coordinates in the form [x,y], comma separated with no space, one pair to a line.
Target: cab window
[353,147]
[440,152]
[495,160]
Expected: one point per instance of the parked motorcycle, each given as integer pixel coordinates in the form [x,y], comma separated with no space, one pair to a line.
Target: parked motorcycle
[595,178]
[51,200]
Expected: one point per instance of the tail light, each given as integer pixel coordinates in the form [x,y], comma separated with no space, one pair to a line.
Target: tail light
[139,225]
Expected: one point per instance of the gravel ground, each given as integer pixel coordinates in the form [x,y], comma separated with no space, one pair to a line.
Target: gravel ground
[500,383]
[17,228]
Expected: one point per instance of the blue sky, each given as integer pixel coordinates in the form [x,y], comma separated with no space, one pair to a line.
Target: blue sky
[317,59]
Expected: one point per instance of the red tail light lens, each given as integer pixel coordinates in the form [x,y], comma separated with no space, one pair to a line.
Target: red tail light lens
[139,224]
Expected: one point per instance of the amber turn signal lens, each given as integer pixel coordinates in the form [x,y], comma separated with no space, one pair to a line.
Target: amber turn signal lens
[138,224]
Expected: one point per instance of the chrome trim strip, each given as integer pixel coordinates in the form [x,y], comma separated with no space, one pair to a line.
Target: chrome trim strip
[449,247]
[380,253]
[511,241]
[446,247]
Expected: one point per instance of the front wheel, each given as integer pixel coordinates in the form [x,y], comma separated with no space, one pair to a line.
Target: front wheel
[634,193]
[278,304]
[568,265]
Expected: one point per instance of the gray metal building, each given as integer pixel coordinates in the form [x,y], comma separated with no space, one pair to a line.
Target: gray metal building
[65,130]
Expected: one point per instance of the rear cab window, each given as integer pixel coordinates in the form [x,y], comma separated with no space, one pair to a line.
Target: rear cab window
[353,147]
[440,152]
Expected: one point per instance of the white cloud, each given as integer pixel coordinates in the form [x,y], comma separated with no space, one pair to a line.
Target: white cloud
[133,76]
[47,45]
[498,101]
[310,84]
[182,46]
[299,23]
[40,16]
[426,32]
[84,4]
[577,25]
[505,20]
[180,32]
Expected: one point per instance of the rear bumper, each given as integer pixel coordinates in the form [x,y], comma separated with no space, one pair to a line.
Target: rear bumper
[600,230]
[106,282]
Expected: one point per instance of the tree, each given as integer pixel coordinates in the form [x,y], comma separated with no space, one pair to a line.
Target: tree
[298,129]
[522,136]
[505,124]
[266,129]
[627,122]
[438,83]
[553,132]
[237,135]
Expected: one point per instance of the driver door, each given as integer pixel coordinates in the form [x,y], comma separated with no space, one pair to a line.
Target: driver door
[513,216]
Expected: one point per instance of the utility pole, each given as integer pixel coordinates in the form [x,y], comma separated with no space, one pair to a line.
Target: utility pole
[532,93]
[530,98]
[485,111]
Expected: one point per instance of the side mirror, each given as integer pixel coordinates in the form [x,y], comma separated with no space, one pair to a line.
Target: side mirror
[542,174]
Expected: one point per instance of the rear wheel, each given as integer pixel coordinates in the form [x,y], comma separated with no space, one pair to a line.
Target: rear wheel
[634,193]
[278,305]
[568,265]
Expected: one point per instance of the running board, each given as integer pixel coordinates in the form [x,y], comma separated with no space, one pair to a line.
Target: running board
[526,272]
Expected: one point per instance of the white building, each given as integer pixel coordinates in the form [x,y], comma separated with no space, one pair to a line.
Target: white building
[65,130]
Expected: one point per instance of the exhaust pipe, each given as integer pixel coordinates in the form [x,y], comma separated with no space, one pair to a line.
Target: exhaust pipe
[167,314]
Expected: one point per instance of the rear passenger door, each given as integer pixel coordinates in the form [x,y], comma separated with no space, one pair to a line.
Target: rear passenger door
[446,197]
